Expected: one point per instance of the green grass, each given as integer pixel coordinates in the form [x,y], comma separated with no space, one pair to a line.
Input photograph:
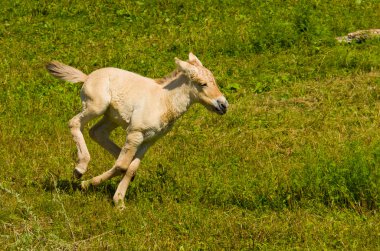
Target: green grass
[294,164]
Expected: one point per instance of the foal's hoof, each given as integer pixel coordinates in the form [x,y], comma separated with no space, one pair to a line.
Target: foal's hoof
[119,204]
[85,184]
[78,173]
[121,207]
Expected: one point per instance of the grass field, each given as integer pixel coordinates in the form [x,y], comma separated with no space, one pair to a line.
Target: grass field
[294,164]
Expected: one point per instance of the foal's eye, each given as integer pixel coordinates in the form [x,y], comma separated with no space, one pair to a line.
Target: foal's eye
[203,84]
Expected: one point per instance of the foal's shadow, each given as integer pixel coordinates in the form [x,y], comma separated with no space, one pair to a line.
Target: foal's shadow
[63,185]
[70,186]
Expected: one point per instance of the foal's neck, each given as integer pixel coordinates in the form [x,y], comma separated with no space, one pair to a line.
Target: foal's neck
[179,95]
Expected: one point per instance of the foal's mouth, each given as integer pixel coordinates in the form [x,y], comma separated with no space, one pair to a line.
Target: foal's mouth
[218,106]
[220,109]
[221,105]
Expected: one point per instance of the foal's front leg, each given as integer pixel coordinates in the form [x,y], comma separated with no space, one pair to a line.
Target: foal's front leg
[121,190]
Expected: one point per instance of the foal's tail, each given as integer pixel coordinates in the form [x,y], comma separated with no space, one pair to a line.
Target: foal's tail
[65,72]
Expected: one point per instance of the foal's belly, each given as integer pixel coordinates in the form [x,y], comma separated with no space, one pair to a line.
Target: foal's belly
[123,119]
[133,118]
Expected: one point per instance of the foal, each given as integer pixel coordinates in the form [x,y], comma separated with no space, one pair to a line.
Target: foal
[144,107]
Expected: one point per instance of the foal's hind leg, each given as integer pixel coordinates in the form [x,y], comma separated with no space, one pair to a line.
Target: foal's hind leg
[90,110]
[76,126]
[100,132]
[95,100]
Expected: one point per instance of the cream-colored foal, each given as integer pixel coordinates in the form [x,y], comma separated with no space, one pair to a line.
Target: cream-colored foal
[146,108]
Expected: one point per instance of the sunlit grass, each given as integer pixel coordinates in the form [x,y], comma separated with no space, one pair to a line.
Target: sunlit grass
[294,164]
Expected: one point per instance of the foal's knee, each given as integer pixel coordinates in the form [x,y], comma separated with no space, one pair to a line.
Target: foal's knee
[130,171]
[121,168]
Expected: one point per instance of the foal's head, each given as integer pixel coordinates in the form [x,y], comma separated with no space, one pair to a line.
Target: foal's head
[207,91]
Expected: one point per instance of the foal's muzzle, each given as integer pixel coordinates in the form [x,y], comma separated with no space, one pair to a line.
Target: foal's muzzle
[221,105]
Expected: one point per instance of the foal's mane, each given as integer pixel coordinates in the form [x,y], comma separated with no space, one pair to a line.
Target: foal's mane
[174,74]
[167,78]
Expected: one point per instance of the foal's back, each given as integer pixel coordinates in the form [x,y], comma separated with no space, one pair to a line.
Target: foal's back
[119,93]
[117,83]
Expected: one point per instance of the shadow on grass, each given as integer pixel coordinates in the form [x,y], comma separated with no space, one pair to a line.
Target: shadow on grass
[70,186]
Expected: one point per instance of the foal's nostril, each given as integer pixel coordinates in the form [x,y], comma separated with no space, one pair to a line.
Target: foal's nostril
[222,105]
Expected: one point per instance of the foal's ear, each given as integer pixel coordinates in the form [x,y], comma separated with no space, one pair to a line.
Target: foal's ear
[194,59]
[187,68]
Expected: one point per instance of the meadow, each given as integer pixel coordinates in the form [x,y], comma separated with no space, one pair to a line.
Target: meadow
[294,164]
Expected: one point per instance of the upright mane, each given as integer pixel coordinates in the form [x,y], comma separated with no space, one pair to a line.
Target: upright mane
[167,78]
[172,75]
